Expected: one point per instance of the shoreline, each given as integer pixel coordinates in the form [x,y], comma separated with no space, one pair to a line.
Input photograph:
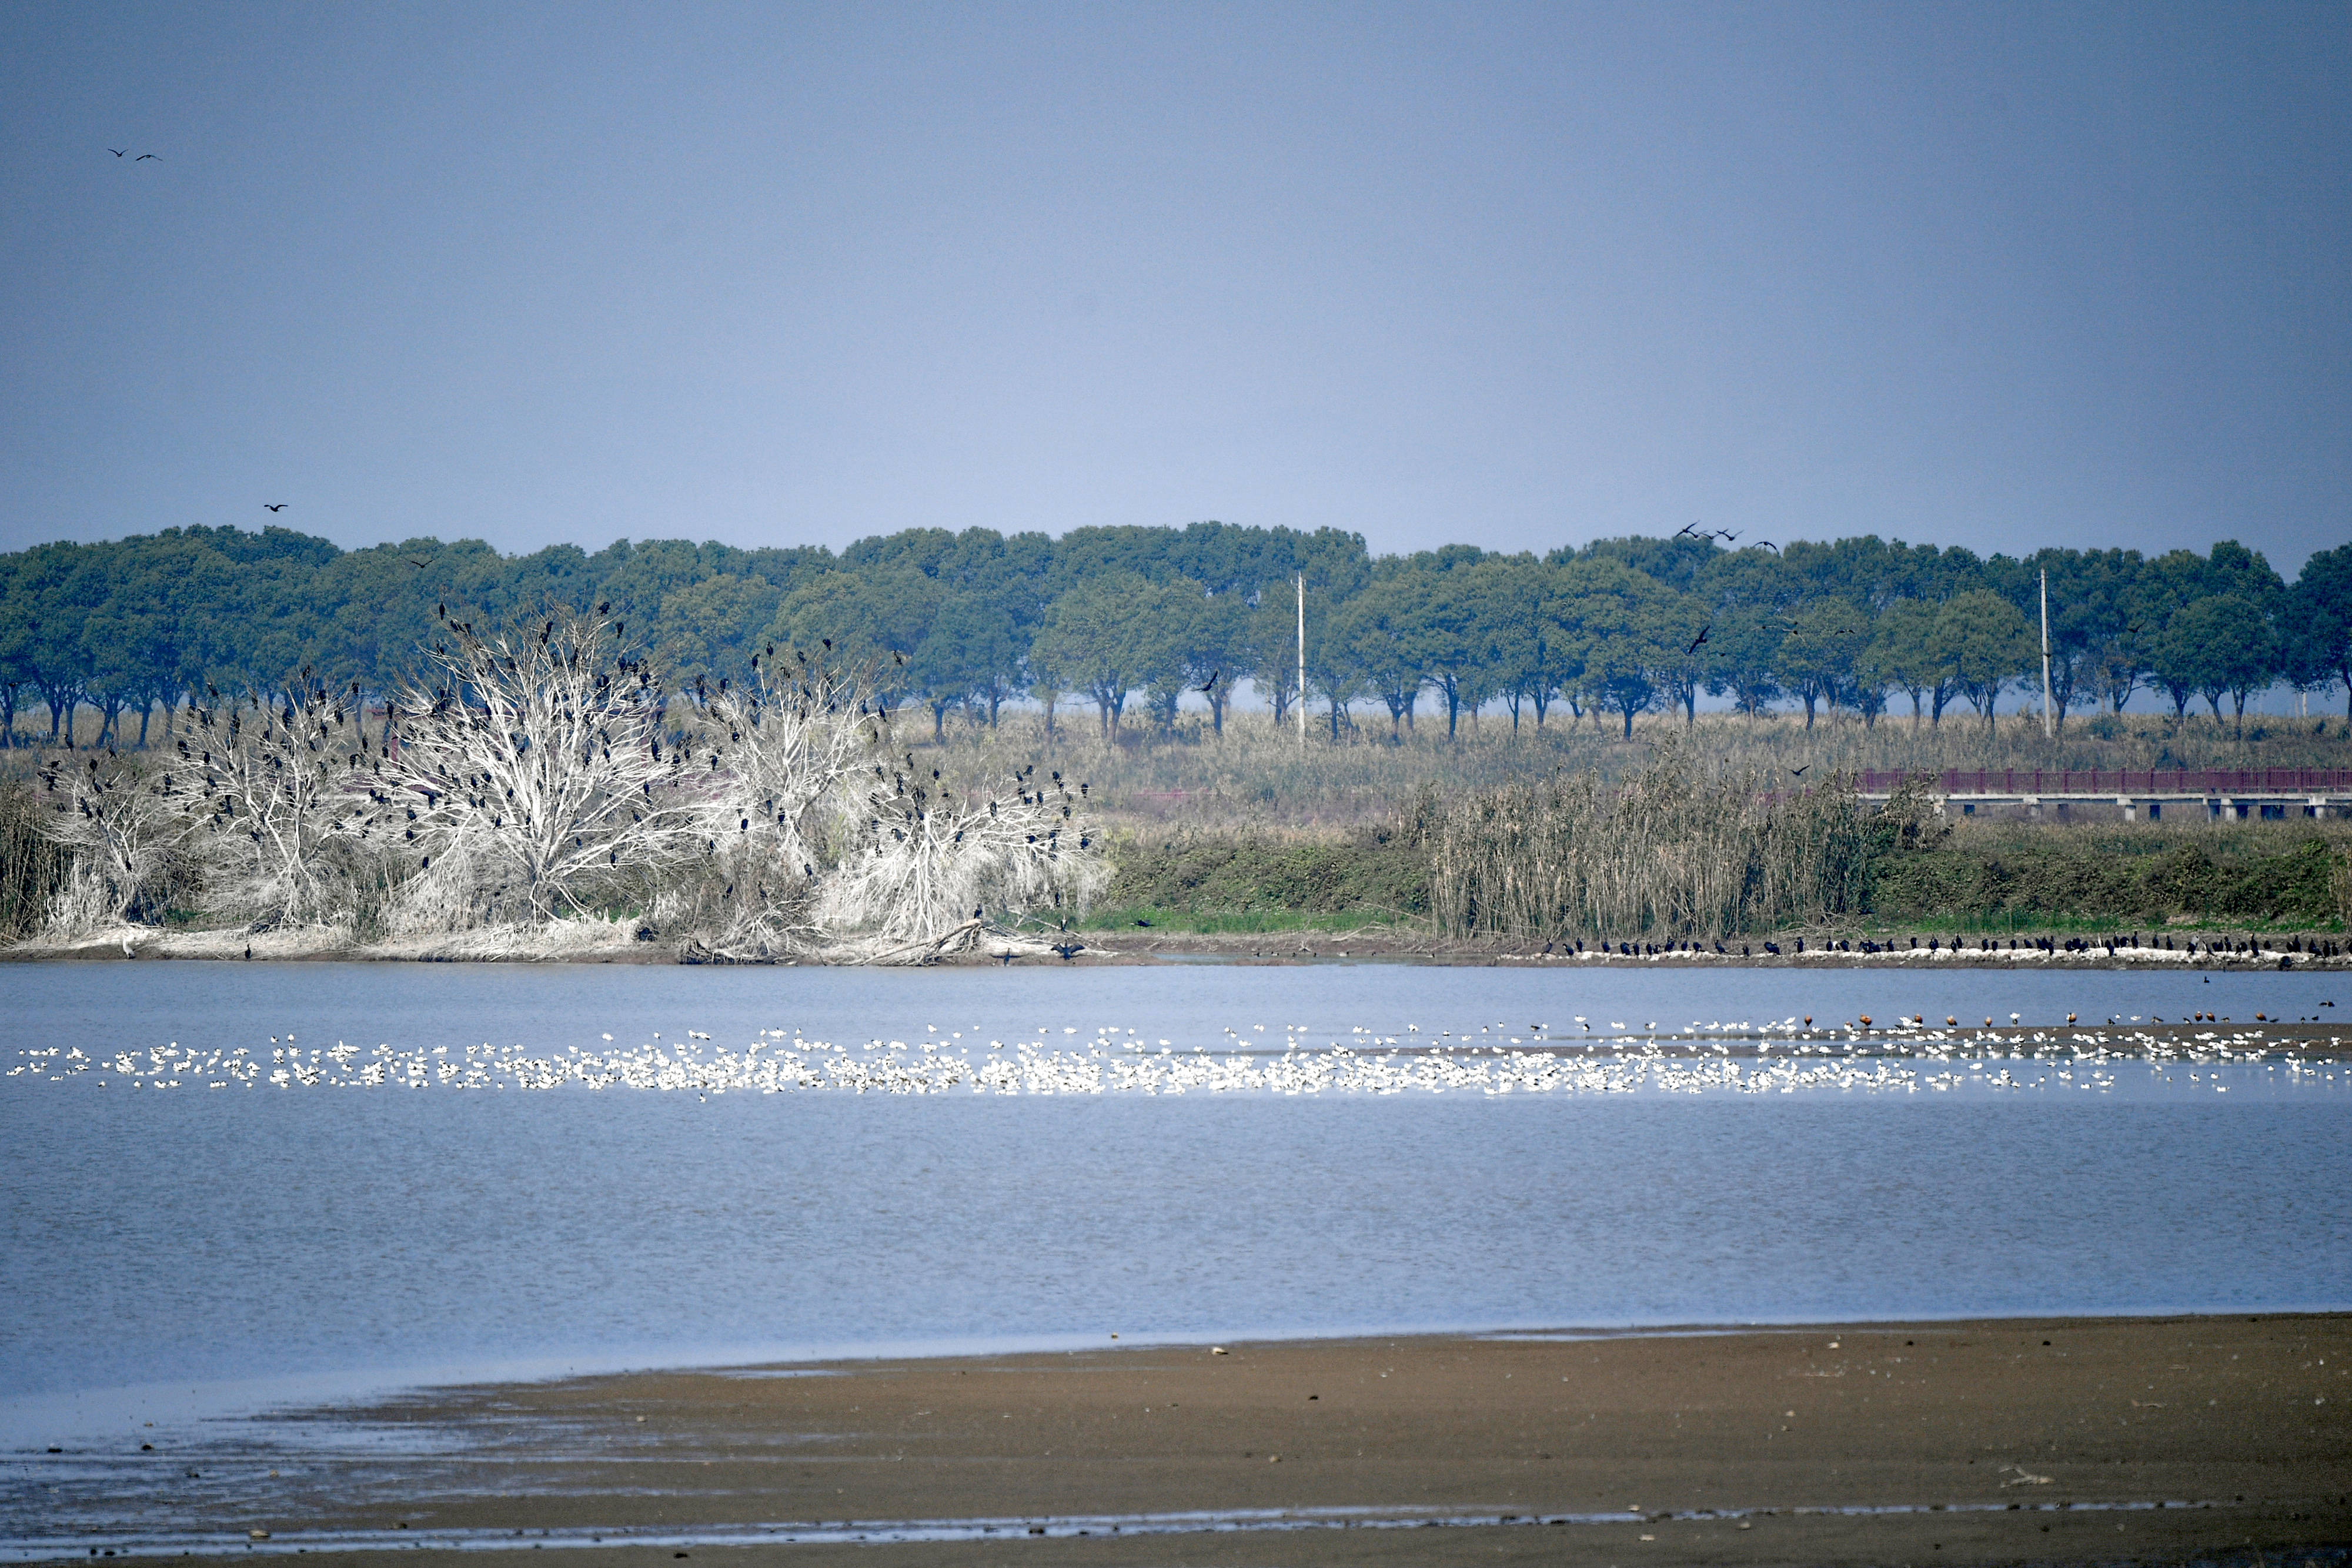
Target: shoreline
[1965,1440]
[1372,945]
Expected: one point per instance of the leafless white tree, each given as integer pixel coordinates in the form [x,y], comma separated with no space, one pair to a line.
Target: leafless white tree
[541,773]
[796,734]
[123,835]
[281,800]
[929,857]
[541,769]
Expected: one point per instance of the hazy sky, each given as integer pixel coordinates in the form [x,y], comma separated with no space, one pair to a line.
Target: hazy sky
[2000,276]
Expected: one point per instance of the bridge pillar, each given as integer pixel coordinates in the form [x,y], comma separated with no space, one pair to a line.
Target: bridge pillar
[2032,804]
[2131,807]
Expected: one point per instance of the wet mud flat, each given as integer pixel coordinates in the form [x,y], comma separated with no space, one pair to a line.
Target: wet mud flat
[2107,1440]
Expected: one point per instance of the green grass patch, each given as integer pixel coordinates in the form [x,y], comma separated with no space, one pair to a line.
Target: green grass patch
[1365,875]
[1226,922]
[2041,878]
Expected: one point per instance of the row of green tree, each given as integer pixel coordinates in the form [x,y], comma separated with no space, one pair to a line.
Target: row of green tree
[968,622]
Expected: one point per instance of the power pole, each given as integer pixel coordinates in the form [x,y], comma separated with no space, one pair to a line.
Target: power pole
[1302,661]
[2046,730]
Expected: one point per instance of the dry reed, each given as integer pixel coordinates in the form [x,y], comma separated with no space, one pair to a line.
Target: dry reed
[1254,779]
[1672,853]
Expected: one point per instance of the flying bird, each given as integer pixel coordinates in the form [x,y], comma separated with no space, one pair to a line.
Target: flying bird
[1210,684]
[419,565]
[1699,639]
[1766,544]
[117,152]
[1691,529]
[1798,772]
[273,506]
[144,156]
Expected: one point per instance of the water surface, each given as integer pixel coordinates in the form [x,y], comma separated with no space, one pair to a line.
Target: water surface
[249,1242]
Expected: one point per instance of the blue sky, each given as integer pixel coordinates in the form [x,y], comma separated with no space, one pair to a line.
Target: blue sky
[1994,275]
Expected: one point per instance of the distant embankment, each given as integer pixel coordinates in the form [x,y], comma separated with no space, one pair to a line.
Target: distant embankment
[1978,877]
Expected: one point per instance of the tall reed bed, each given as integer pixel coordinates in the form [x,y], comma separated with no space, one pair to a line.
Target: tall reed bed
[33,866]
[1675,852]
[1254,779]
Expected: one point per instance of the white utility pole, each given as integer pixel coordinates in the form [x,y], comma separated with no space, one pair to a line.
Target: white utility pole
[2046,730]
[1302,661]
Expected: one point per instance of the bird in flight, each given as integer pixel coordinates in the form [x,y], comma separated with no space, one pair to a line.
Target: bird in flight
[1798,772]
[1766,544]
[274,505]
[419,565]
[117,152]
[1691,529]
[1699,639]
[1210,684]
[144,156]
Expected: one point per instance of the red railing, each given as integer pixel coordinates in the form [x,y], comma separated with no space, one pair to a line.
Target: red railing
[2125,781]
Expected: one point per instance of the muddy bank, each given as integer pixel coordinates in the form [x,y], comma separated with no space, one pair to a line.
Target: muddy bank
[2069,1440]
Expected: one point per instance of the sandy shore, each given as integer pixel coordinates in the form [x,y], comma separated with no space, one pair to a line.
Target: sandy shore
[1959,1443]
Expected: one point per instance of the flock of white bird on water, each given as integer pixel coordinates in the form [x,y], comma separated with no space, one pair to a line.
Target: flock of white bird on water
[1780,1057]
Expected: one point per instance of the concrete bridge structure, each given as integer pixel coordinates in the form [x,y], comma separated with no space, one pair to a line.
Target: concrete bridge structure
[2203,794]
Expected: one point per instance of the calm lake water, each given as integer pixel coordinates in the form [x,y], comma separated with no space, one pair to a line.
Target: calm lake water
[175,1249]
